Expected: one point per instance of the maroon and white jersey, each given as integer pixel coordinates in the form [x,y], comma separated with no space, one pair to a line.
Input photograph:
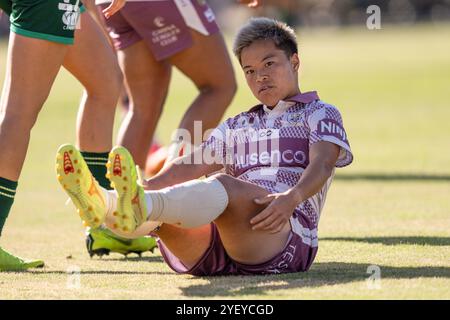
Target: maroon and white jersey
[270,148]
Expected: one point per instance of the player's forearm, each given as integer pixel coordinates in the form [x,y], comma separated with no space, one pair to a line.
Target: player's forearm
[175,173]
[312,181]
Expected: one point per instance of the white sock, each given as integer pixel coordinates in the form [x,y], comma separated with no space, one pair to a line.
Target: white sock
[110,200]
[188,205]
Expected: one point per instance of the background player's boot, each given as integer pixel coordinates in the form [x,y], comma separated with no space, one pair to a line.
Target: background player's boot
[102,241]
[9,262]
[131,209]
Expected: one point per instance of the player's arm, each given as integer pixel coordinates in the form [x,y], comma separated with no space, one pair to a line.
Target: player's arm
[322,160]
[182,169]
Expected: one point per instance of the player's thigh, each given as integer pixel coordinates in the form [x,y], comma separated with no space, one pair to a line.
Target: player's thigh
[241,242]
[206,62]
[50,20]
[30,59]
[92,60]
[147,80]
[188,245]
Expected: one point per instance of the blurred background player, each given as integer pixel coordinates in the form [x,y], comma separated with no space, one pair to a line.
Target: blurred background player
[41,38]
[152,37]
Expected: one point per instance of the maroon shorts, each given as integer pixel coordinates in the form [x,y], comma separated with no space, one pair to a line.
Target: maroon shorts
[298,255]
[165,26]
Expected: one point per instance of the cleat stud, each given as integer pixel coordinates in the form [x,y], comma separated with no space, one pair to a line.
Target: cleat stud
[70,151]
[124,217]
[75,161]
[78,181]
[125,179]
[108,176]
[108,164]
[59,177]
[96,220]
[125,229]
[115,226]
[113,185]
[90,208]
[85,224]
[124,168]
[115,213]
[124,188]
[79,171]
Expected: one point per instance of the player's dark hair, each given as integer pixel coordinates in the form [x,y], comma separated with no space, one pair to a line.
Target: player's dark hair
[262,28]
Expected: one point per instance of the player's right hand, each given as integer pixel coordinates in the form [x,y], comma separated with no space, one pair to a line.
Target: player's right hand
[115,6]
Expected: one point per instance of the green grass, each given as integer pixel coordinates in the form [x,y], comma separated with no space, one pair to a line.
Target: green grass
[392,89]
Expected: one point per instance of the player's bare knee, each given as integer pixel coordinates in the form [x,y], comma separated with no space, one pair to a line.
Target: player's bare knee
[19,121]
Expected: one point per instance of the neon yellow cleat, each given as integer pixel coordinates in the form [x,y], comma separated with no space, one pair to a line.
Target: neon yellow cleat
[131,206]
[102,241]
[75,177]
[9,262]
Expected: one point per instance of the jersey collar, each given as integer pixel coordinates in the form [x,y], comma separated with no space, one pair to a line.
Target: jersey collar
[283,105]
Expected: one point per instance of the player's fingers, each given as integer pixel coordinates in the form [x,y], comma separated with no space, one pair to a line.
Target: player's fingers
[272,226]
[261,216]
[254,4]
[279,227]
[113,8]
[266,222]
[264,200]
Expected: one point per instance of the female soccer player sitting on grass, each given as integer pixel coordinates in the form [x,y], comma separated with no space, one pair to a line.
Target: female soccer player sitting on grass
[261,216]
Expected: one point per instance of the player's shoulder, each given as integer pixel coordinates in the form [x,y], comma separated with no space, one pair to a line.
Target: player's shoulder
[244,118]
[320,105]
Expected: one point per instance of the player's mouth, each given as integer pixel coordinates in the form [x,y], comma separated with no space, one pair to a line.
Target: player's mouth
[264,89]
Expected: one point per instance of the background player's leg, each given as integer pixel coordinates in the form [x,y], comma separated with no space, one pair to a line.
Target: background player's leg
[208,65]
[147,83]
[93,62]
[23,96]
[22,99]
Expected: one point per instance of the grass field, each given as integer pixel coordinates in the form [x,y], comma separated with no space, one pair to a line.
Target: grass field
[391,208]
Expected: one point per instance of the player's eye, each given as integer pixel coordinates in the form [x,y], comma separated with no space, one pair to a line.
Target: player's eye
[269,63]
[249,72]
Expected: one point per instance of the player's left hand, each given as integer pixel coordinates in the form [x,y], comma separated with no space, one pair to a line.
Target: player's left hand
[115,6]
[274,217]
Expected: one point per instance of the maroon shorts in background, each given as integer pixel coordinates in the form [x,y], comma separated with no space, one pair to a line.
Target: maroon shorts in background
[297,256]
[165,26]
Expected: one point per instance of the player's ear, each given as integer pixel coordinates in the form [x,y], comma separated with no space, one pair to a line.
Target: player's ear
[295,61]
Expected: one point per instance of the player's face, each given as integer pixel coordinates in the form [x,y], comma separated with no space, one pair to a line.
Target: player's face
[270,74]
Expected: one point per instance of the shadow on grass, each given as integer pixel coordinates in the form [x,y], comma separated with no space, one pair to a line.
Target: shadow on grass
[320,274]
[393,177]
[136,259]
[95,272]
[392,241]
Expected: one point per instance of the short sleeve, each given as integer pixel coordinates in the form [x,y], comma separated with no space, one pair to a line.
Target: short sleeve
[326,125]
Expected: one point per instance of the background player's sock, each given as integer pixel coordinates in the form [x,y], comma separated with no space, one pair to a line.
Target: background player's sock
[188,205]
[7,193]
[96,162]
